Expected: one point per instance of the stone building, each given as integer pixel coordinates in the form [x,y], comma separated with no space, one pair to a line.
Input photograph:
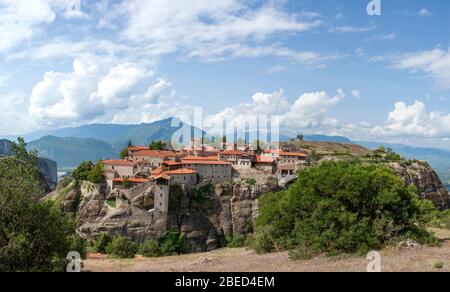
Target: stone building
[155,158]
[214,171]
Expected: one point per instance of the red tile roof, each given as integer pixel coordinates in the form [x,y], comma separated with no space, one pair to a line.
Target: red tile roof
[155,153]
[118,162]
[298,154]
[264,159]
[171,163]
[201,158]
[232,152]
[181,171]
[203,162]
[132,180]
[137,148]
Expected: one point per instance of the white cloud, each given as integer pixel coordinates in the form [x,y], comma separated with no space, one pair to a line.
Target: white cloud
[3,79]
[434,63]
[415,120]
[356,93]
[95,87]
[351,29]
[425,12]
[12,117]
[21,19]
[309,111]
[208,28]
[383,37]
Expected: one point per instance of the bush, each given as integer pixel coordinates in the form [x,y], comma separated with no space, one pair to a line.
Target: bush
[236,241]
[150,248]
[250,181]
[83,170]
[102,243]
[122,248]
[341,207]
[87,171]
[172,243]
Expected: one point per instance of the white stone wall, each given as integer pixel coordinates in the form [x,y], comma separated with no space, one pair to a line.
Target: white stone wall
[122,171]
[213,172]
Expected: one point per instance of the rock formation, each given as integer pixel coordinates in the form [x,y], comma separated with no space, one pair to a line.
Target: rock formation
[426,180]
[205,215]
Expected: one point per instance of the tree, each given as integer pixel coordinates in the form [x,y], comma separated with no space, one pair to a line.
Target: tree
[343,207]
[157,145]
[83,170]
[300,137]
[97,174]
[33,236]
[87,171]
[124,153]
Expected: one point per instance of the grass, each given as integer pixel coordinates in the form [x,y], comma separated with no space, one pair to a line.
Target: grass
[111,204]
[439,265]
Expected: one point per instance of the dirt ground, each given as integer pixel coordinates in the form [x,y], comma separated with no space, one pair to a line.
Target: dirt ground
[243,260]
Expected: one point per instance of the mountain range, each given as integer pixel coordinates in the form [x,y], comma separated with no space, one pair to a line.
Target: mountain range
[71,146]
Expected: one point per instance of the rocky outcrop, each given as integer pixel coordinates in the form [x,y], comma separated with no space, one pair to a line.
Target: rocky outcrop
[5,148]
[223,210]
[206,215]
[49,171]
[426,180]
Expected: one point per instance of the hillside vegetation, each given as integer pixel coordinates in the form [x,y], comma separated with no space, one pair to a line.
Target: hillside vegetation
[341,207]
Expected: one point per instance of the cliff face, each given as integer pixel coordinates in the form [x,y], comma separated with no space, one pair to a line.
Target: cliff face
[426,180]
[224,210]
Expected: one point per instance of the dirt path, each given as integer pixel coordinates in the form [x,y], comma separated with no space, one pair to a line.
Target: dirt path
[243,260]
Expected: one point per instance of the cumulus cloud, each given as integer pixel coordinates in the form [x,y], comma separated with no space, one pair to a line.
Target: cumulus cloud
[94,87]
[308,111]
[415,120]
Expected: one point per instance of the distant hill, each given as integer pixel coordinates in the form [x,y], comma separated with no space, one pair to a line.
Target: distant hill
[117,136]
[318,138]
[70,151]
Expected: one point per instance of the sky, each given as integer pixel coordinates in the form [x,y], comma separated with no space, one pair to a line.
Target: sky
[322,66]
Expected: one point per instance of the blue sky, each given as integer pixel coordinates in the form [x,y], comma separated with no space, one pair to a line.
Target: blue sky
[323,66]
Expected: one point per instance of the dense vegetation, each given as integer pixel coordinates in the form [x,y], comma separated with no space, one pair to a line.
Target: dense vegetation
[91,172]
[341,207]
[171,243]
[156,145]
[33,236]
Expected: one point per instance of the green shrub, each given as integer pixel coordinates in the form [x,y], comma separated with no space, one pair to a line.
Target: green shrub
[122,247]
[83,170]
[439,265]
[150,248]
[172,243]
[236,241]
[250,181]
[80,245]
[344,207]
[102,243]
[91,172]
